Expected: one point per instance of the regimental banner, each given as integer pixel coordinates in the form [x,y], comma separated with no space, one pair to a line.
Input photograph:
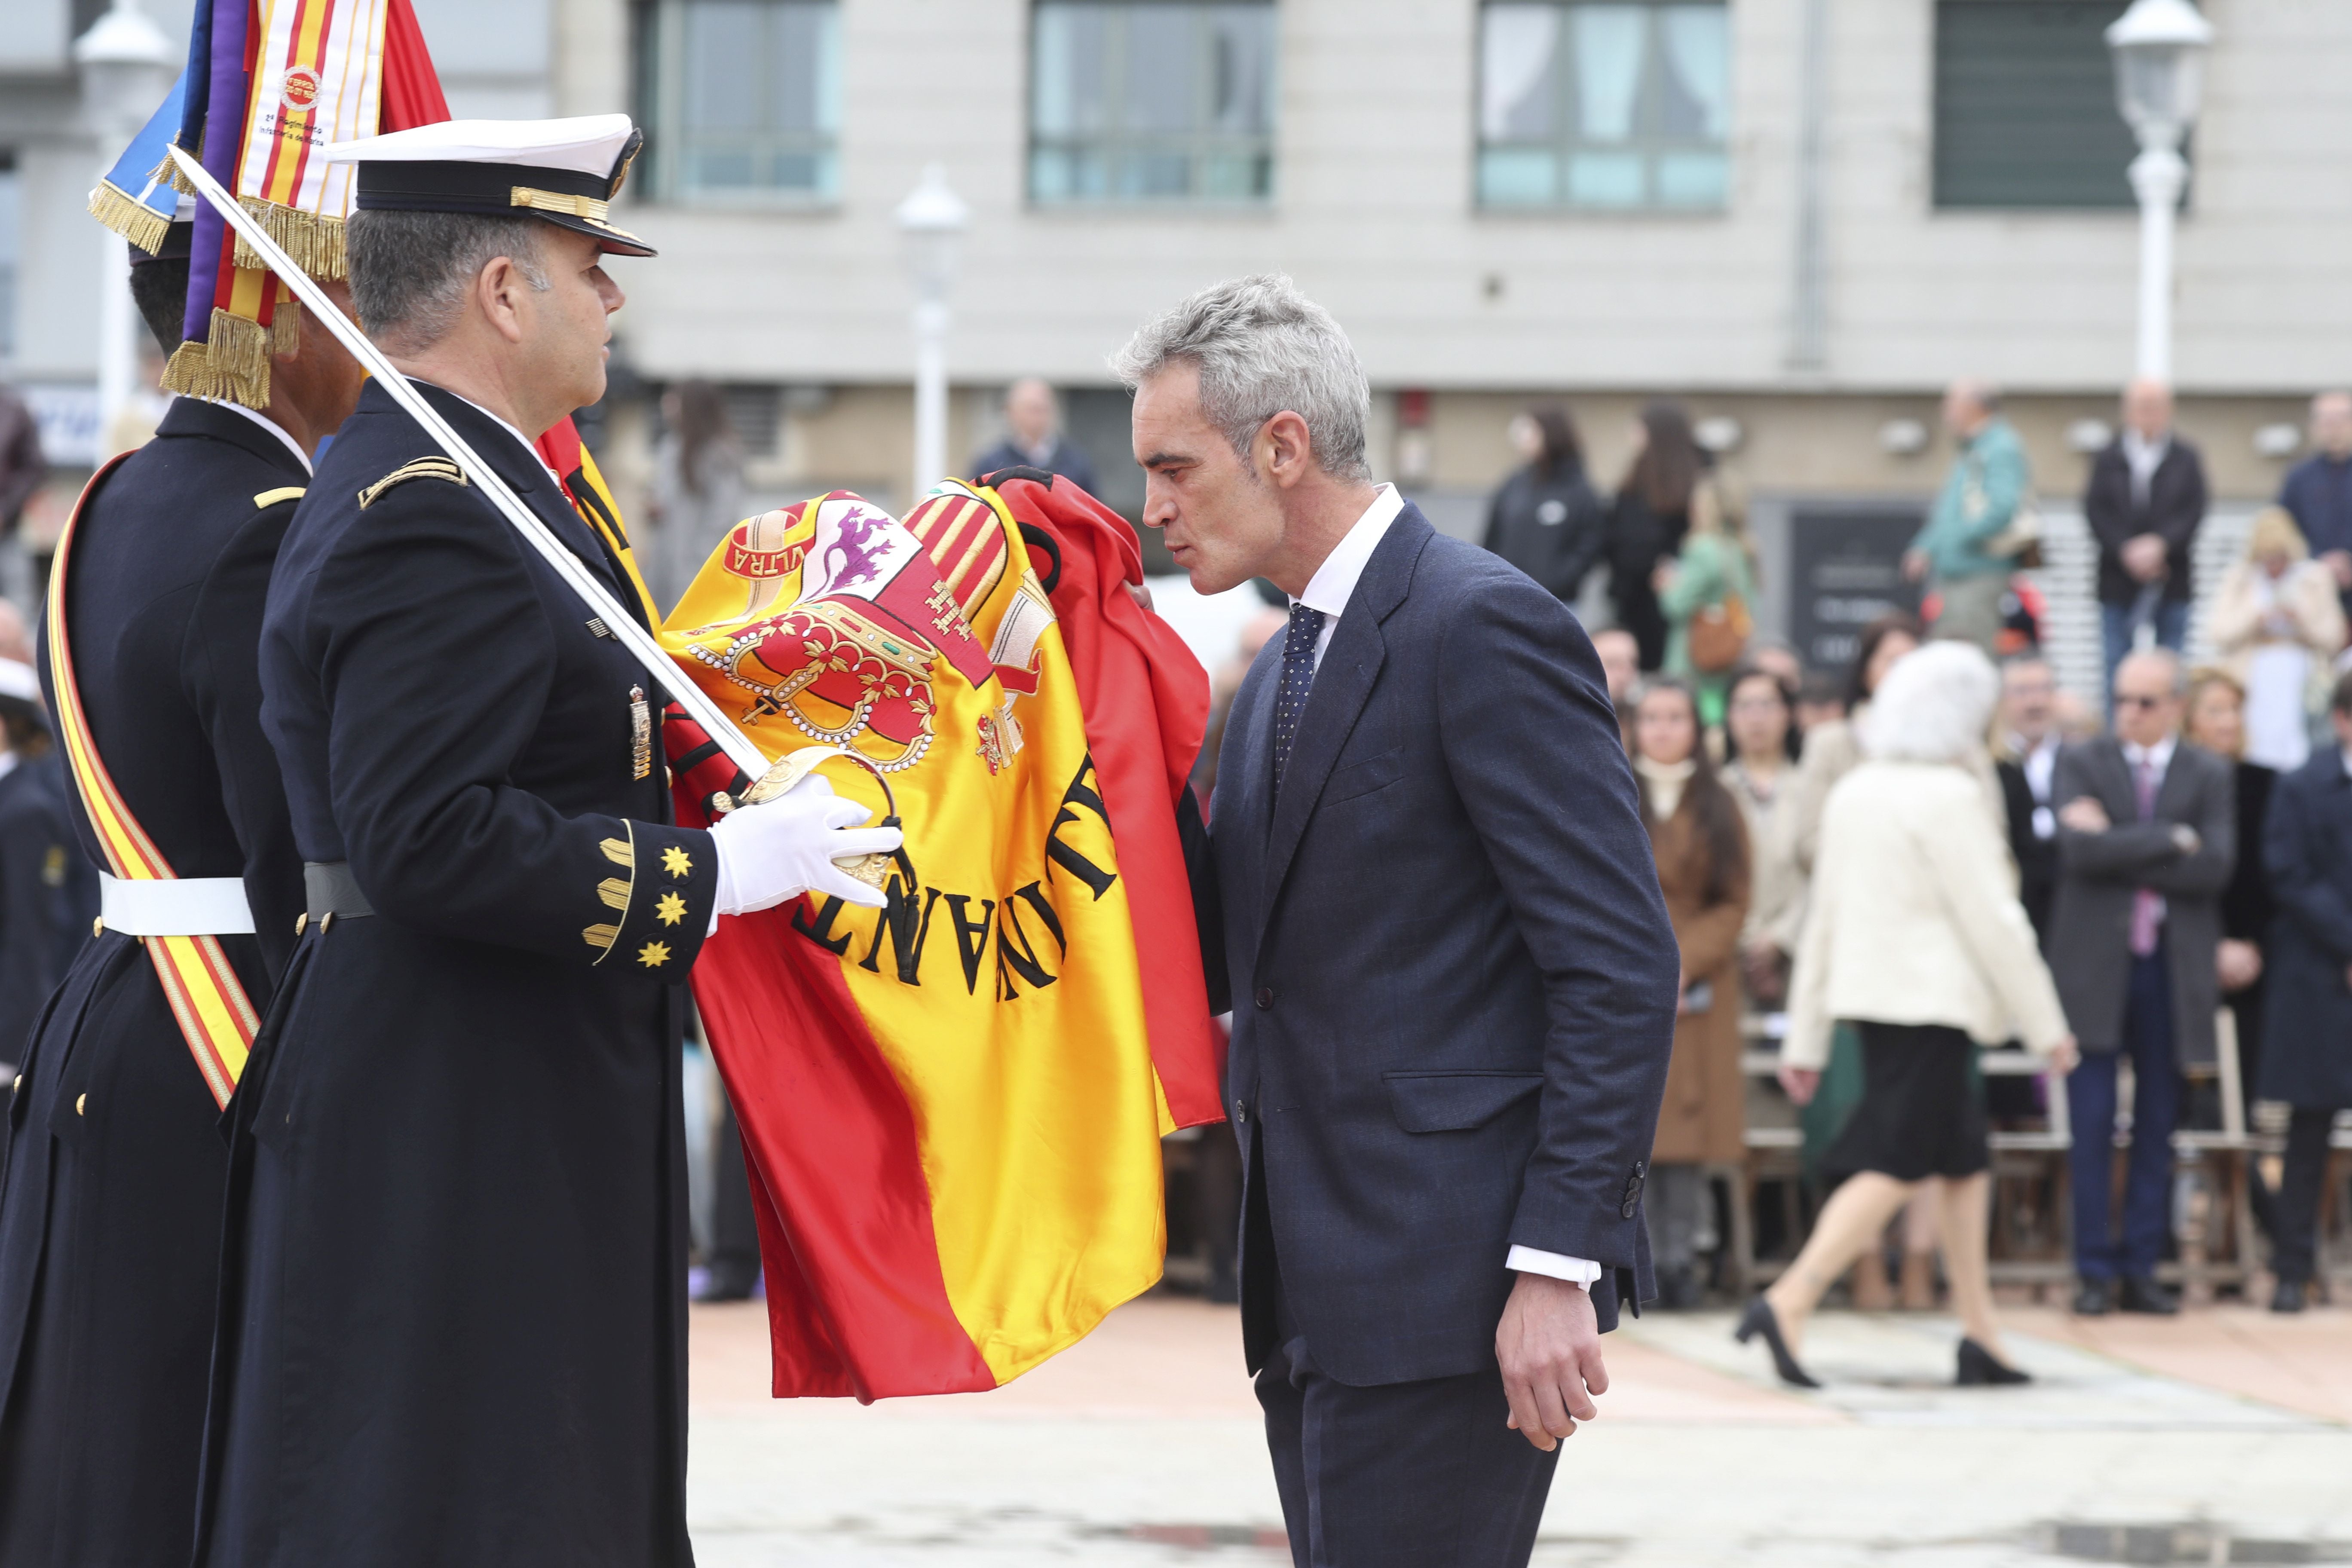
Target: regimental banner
[953,1105]
[316,77]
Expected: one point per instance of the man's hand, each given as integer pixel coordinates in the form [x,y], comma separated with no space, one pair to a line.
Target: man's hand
[2143,556]
[1801,1083]
[2064,1057]
[1550,1346]
[2237,964]
[1915,566]
[2083,815]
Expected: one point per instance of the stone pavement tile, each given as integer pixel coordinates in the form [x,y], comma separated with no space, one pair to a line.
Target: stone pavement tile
[1897,1369]
[2299,1362]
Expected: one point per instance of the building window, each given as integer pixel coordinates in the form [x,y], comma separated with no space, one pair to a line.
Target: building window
[1603,106]
[742,100]
[1151,101]
[2025,106]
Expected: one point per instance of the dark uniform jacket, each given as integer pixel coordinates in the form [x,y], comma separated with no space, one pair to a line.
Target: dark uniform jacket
[454,1321]
[2173,511]
[1452,973]
[2090,925]
[38,858]
[2307,845]
[110,1214]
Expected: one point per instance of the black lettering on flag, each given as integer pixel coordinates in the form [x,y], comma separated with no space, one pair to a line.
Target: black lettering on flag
[821,932]
[906,927]
[1035,897]
[1080,793]
[966,948]
[1016,955]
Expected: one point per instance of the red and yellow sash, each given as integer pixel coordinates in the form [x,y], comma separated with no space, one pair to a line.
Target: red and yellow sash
[215,1014]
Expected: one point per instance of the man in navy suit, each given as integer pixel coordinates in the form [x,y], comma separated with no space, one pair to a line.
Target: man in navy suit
[1453,976]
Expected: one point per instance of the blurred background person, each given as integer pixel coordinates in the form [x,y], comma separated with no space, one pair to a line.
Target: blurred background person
[2026,758]
[1761,750]
[2147,833]
[1953,553]
[2278,626]
[23,471]
[1775,656]
[1914,935]
[1621,667]
[2307,1039]
[1707,594]
[2318,490]
[1545,520]
[2216,722]
[16,638]
[42,921]
[1834,747]
[1701,846]
[698,488]
[2145,501]
[1821,700]
[1033,438]
[1647,520]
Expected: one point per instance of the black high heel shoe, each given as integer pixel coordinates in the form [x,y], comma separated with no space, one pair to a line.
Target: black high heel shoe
[1760,1319]
[1981,1368]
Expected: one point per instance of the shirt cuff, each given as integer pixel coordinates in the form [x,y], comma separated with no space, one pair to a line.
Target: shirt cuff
[1575,1270]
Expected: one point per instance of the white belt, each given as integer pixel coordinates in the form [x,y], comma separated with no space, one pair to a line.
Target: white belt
[185,906]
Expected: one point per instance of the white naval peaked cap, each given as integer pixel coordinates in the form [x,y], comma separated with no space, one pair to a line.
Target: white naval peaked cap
[567,170]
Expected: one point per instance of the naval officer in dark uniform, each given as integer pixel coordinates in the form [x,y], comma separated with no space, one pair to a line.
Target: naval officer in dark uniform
[454,1328]
[38,859]
[111,1200]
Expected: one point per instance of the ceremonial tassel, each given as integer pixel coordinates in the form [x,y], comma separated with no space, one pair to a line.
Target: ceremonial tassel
[142,226]
[168,173]
[232,363]
[313,240]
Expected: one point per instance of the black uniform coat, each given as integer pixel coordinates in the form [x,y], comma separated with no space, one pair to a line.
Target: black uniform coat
[37,941]
[2307,1027]
[1452,973]
[109,1206]
[454,1315]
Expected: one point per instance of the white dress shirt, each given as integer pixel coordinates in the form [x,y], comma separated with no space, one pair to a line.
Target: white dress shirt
[2040,766]
[268,424]
[1333,585]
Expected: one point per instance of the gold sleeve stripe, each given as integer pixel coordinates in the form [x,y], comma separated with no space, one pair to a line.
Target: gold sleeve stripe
[621,852]
[614,892]
[422,468]
[601,938]
[267,499]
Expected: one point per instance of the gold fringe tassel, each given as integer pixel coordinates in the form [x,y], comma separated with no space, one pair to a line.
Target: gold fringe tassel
[233,363]
[169,173]
[286,329]
[142,226]
[313,240]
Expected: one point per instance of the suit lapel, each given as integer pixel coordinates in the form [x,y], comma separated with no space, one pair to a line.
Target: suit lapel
[1351,664]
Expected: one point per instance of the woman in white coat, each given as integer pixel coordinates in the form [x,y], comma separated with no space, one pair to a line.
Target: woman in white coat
[1915,935]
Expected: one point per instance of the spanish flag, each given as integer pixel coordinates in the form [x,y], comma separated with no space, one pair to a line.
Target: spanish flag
[952,1107]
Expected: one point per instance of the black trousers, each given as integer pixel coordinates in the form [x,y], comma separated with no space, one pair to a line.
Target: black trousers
[2295,1242]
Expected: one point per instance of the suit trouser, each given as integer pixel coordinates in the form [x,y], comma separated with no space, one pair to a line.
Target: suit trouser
[2099,1252]
[1399,1475]
[2296,1240]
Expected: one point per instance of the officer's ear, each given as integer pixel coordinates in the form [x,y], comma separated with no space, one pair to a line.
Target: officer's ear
[499,291]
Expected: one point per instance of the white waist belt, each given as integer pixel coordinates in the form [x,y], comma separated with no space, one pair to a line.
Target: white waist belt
[188,906]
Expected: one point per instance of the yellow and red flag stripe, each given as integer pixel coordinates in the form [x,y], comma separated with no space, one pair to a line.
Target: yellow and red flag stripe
[208,1002]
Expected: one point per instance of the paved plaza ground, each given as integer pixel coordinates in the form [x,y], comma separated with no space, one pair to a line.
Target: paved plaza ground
[2222,1436]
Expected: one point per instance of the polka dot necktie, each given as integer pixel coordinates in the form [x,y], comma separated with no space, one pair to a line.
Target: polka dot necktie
[1297,675]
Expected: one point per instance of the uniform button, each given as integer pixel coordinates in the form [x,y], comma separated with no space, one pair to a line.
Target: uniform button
[97,926]
[1241,1112]
[81,1104]
[17,1086]
[1264,997]
[1628,1209]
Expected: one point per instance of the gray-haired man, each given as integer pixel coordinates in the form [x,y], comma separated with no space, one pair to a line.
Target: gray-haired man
[1453,978]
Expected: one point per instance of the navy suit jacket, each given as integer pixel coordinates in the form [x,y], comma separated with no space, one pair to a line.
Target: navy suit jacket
[1453,976]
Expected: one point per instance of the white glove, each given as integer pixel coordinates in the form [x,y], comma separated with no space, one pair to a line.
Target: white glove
[786,846]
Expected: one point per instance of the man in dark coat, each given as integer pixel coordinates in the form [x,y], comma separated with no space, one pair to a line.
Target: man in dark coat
[2145,501]
[2029,773]
[2307,1026]
[1544,518]
[1453,978]
[453,1304]
[1033,438]
[109,1214]
[2318,490]
[36,858]
[2147,829]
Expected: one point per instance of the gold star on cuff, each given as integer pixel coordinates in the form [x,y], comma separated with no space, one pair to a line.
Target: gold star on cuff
[654,954]
[676,862]
[670,910]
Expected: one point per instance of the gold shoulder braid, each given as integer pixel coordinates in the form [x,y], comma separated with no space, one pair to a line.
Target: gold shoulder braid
[422,468]
[269,499]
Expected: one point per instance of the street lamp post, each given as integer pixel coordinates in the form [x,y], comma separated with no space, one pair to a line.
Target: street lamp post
[126,67]
[2159,48]
[932,218]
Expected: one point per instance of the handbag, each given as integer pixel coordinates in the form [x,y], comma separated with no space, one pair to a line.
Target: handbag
[1719,635]
[2021,541]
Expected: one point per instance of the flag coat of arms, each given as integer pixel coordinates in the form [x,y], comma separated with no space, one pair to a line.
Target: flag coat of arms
[952,1106]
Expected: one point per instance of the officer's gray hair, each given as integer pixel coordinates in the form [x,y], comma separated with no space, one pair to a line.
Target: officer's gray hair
[410,270]
[1262,347]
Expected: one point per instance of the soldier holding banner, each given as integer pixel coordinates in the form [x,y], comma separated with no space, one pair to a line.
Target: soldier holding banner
[110,1214]
[454,1312]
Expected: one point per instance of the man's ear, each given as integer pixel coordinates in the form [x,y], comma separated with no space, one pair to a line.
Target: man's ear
[1284,452]
[498,289]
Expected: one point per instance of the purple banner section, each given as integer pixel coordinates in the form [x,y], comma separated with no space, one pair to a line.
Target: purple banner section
[225,108]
